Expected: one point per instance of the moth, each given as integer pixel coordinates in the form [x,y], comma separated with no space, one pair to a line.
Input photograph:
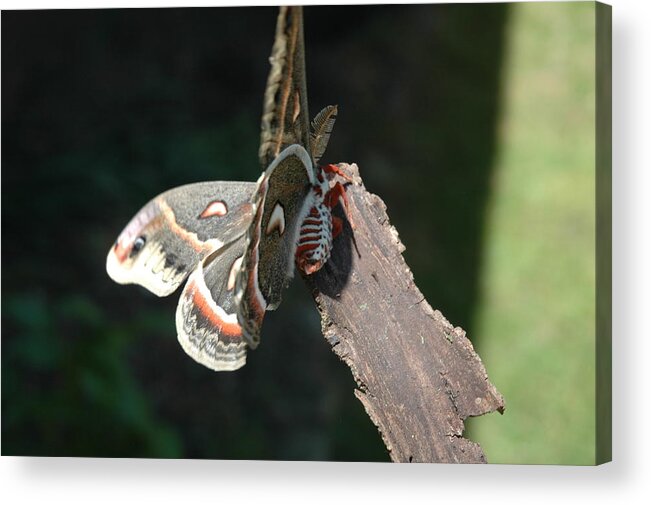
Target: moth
[237,243]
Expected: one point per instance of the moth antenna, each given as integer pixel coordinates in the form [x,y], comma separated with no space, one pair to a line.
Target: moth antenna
[322,126]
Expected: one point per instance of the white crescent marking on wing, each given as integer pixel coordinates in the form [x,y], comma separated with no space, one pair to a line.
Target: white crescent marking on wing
[277,220]
[235,268]
[191,238]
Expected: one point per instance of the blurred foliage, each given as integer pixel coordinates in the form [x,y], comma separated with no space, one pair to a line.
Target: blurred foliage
[104,109]
[78,384]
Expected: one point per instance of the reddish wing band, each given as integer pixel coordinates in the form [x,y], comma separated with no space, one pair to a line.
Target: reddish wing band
[206,316]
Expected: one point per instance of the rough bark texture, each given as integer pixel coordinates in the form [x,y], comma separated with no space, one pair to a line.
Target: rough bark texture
[418,376]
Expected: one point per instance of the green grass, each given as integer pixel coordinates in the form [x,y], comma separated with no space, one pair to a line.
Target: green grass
[535,323]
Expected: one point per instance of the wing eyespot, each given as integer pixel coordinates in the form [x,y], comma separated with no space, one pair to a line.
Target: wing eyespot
[137,246]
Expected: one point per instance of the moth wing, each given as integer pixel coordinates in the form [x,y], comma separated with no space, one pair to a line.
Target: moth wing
[168,237]
[282,200]
[285,116]
[206,316]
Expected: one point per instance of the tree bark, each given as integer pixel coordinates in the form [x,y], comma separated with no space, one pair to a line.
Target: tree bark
[418,377]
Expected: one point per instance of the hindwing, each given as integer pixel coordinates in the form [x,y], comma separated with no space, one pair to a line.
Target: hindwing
[206,316]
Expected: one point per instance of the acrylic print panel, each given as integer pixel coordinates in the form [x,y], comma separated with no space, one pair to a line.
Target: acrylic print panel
[475,124]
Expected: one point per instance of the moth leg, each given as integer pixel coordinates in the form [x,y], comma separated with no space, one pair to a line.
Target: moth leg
[337,226]
[336,194]
[334,169]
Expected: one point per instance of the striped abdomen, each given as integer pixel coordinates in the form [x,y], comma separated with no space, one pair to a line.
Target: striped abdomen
[315,239]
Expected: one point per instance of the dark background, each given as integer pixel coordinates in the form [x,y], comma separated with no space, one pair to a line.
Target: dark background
[104,109]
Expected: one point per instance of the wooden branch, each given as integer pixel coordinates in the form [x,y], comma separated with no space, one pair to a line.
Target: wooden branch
[418,376]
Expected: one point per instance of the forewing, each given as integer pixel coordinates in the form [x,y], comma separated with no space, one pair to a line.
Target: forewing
[168,237]
[206,316]
[282,200]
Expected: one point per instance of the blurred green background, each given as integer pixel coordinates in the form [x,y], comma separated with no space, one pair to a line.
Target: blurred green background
[475,124]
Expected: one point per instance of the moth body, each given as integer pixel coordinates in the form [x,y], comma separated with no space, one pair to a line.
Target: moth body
[315,238]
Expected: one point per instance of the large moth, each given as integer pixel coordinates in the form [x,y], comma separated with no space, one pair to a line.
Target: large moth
[237,243]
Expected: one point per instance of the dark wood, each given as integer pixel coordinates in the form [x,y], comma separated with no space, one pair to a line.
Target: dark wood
[417,376]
